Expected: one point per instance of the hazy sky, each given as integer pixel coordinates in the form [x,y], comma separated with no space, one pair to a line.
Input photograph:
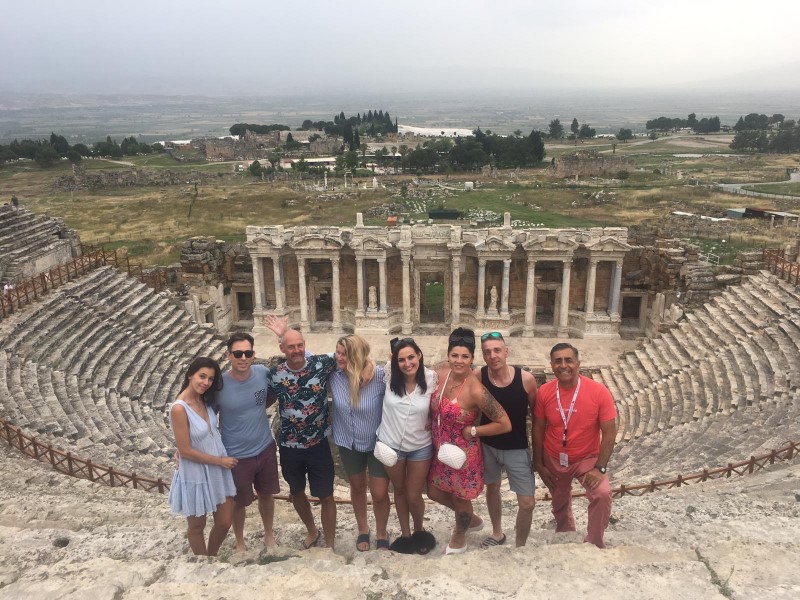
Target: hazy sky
[311,47]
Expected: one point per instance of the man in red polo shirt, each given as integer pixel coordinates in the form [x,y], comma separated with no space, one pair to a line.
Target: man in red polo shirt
[574,430]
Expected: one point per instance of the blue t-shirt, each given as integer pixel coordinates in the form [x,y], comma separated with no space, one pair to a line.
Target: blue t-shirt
[244,424]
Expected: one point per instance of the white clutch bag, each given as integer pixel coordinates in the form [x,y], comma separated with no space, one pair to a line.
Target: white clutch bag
[451,455]
[386,455]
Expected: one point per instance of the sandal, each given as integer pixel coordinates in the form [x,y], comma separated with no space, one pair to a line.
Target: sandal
[423,541]
[363,538]
[490,541]
[382,544]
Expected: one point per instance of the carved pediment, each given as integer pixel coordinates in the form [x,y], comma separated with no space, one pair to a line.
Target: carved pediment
[550,244]
[263,244]
[494,244]
[608,245]
[316,242]
[370,243]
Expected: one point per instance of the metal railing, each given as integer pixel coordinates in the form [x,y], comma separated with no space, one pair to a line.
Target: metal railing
[776,262]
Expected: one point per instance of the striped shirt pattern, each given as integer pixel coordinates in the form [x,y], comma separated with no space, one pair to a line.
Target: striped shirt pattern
[355,427]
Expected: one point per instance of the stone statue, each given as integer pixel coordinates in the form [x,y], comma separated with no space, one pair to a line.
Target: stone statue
[373,298]
[493,299]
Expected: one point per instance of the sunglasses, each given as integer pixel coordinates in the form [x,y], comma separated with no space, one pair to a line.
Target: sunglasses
[468,340]
[395,341]
[245,353]
[492,335]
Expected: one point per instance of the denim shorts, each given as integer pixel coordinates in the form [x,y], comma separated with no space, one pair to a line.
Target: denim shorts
[424,453]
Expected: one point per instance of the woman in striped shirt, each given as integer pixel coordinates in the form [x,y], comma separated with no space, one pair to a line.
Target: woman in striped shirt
[357,388]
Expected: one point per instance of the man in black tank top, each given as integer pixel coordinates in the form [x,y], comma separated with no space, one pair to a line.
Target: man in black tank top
[515,390]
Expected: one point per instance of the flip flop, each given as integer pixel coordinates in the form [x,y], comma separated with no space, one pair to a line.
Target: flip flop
[382,544]
[423,541]
[363,538]
[449,550]
[490,541]
[312,544]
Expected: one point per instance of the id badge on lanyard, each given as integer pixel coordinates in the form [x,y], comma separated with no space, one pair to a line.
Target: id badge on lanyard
[563,457]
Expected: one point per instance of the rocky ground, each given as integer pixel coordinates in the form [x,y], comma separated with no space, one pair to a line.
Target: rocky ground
[68,538]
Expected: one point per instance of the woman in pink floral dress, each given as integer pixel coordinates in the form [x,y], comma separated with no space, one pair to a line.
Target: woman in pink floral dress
[456,404]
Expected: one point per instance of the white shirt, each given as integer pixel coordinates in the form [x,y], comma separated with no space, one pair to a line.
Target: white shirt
[404,423]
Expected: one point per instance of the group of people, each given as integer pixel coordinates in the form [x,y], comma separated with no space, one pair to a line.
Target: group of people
[447,430]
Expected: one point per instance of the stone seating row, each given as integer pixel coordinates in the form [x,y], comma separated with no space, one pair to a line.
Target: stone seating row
[710,443]
[92,366]
[712,364]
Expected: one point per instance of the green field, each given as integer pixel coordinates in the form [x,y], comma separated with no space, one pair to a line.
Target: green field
[784,189]
[152,222]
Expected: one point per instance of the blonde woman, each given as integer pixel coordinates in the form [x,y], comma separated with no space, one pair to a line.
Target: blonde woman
[357,388]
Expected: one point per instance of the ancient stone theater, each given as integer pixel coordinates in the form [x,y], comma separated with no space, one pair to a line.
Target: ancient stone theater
[426,278]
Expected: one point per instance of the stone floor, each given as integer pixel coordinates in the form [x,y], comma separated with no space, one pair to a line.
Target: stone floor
[529,352]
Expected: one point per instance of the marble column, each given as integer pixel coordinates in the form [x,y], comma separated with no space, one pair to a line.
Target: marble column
[504,293]
[336,298]
[455,313]
[481,288]
[382,282]
[359,287]
[407,326]
[616,286]
[259,298]
[301,282]
[277,274]
[563,313]
[530,298]
[591,283]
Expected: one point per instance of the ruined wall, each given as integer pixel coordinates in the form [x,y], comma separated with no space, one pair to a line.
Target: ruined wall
[102,179]
[589,163]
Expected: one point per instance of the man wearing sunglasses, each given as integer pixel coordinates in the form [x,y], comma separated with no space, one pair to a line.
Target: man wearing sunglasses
[515,390]
[246,435]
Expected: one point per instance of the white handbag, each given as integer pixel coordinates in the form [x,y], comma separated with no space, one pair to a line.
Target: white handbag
[385,454]
[451,455]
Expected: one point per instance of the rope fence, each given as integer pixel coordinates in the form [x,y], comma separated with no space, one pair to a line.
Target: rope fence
[83,468]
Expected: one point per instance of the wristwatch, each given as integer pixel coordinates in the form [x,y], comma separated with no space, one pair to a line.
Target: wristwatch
[473,432]
[601,469]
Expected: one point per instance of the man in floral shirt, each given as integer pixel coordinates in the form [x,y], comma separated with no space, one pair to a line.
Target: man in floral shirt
[301,386]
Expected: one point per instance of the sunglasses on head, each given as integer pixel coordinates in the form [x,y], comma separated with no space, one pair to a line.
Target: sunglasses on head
[396,341]
[245,353]
[492,335]
[468,340]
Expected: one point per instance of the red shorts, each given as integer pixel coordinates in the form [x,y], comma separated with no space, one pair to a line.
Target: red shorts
[258,472]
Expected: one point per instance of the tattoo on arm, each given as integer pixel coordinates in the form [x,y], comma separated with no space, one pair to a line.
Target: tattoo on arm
[491,407]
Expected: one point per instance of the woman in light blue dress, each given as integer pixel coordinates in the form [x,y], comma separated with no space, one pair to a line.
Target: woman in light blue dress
[202,482]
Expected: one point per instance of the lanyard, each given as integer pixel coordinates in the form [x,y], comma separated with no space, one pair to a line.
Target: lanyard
[566,419]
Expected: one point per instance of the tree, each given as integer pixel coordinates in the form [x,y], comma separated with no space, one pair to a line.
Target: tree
[691,121]
[624,135]
[59,144]
[517,133]
[351,159]
[255,168]
[586,132]
[575,127]
[46,156]
[556,130]
[74,156]
[536,142]
[653,135]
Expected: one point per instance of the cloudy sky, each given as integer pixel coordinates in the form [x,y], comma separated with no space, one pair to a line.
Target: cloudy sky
[317,46]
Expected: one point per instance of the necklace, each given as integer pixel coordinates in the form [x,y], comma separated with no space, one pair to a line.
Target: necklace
[509,372]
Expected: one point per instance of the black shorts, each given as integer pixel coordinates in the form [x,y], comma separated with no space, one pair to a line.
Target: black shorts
[316,462]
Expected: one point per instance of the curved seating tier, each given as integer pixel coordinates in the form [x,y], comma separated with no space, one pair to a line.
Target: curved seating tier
[721,385]
[93,366]
[24,236]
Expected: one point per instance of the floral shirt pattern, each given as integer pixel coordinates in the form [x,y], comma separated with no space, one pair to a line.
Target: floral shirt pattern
[302,400]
